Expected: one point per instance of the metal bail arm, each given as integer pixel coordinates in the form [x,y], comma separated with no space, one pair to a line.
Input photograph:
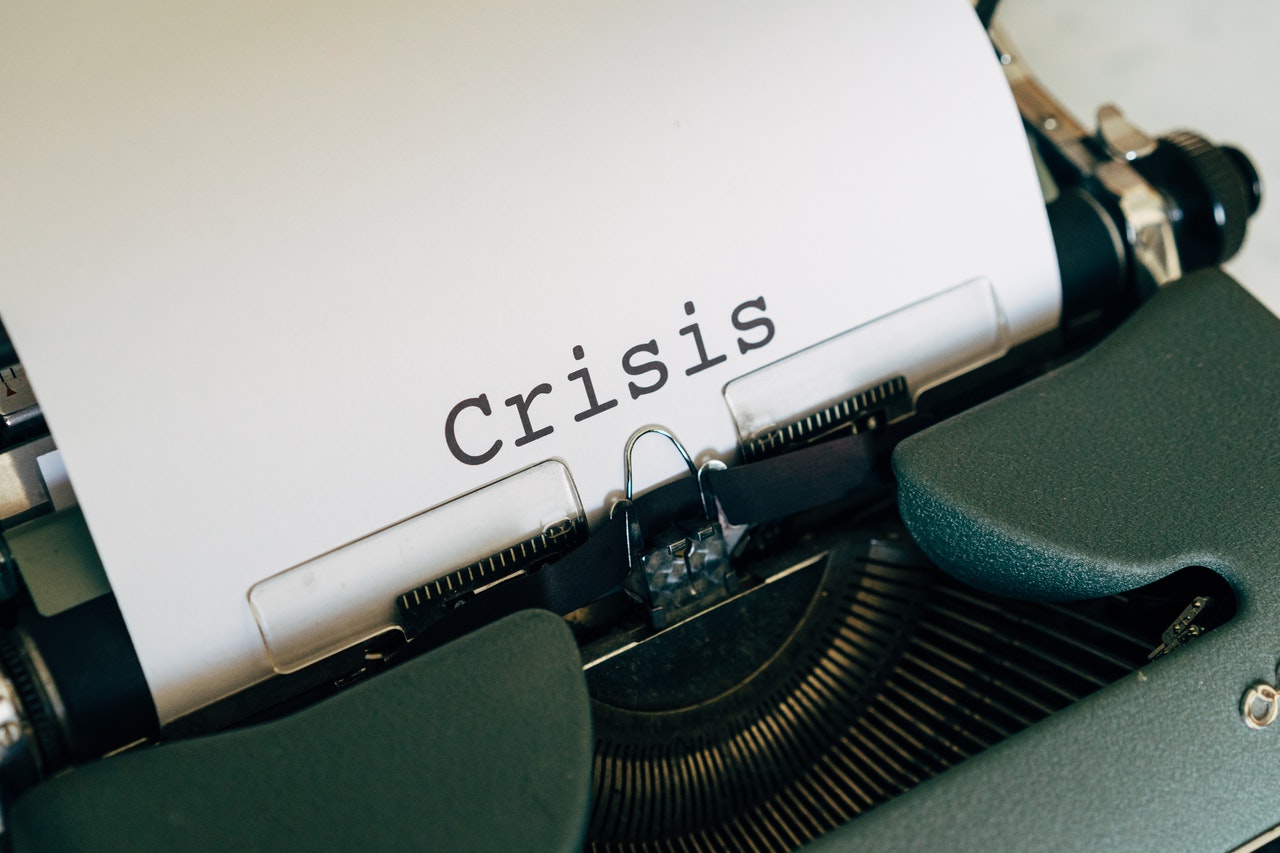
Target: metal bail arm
[687,567]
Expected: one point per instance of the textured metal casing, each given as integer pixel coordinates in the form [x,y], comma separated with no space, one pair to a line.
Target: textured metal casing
[484,744]
[1157,450]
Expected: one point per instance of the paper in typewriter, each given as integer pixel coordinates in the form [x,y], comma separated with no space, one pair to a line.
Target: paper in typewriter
[257,253]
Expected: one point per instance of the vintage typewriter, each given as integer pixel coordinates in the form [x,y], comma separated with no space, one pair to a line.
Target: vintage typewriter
[1022,592]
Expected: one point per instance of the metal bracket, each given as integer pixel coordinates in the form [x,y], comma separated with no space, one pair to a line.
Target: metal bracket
[687,568]
[1149,231]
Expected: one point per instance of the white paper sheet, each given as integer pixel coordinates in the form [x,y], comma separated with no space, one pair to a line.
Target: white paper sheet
[256,253]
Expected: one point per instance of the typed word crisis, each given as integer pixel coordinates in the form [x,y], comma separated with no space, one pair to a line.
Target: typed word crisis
[467,421]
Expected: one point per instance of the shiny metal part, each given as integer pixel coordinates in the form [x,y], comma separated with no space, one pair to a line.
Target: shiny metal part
[1149,231]
[22,416]
[34,737]
[15,391]
[1122,138]
[685,575]
[1183,629]
[22,488]
[688,570]
[733,533]
[634,535]
[1260,706]
[11,733]
[50,699]
[630,448]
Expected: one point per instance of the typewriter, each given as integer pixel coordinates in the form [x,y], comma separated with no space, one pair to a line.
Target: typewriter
[964,579]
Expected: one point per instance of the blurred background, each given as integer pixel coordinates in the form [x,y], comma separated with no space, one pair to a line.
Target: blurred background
[1210,67]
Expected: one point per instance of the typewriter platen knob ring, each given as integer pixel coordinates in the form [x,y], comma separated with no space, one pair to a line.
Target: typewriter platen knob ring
[1212,191]
[33,748]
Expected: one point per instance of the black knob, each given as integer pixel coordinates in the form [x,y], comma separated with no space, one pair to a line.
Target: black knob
[1252,183]
[1211,190]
